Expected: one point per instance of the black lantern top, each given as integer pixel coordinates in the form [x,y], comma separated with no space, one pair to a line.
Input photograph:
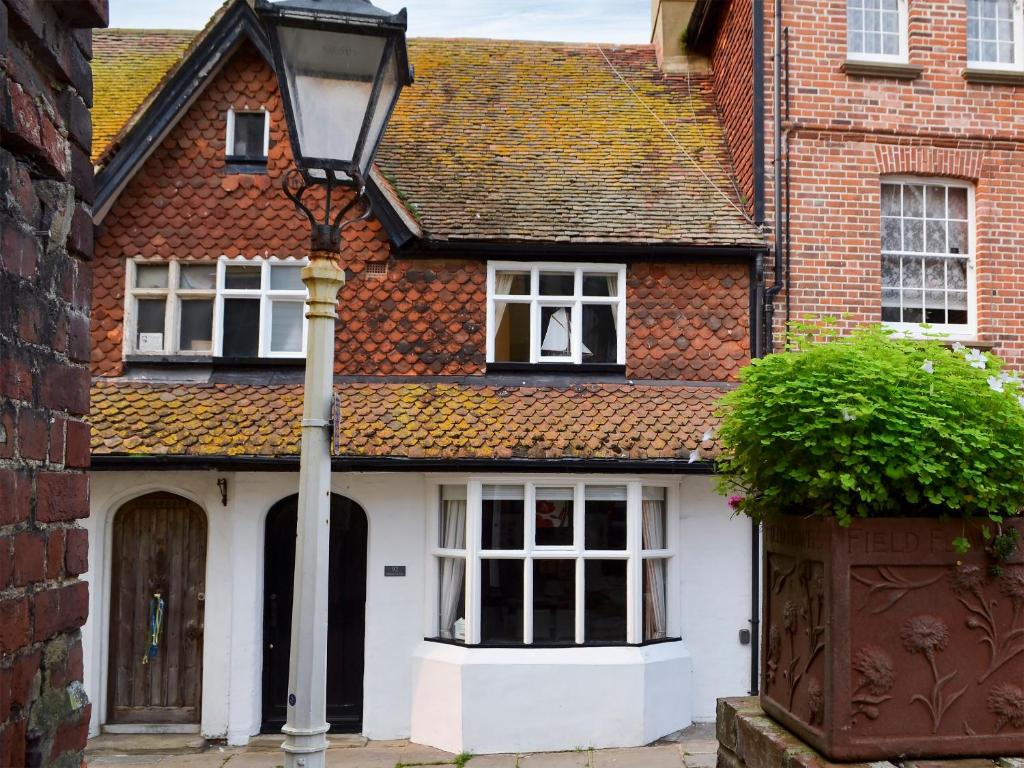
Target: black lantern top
[341,65]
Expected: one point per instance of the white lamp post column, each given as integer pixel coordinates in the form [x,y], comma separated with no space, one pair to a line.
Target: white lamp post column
[305,743]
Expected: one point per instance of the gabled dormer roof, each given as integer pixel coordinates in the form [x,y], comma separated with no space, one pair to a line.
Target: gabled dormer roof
[547,144]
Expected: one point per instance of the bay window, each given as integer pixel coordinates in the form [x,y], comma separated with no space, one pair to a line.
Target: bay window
[927,255]
[228,308]
[995,34]
[556,313]
[551,563]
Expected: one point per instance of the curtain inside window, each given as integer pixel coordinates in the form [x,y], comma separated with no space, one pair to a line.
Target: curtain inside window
[502,285]
[613,282]
[453,536]
[654,570]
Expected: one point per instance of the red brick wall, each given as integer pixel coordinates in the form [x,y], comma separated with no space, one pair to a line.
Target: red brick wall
[732,67]
[847,132]
[425,316]
[45,247]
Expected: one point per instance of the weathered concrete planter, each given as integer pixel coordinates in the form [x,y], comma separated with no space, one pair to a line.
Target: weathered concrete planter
[881,641]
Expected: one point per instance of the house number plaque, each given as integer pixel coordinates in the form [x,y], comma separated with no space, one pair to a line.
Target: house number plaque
[394,570]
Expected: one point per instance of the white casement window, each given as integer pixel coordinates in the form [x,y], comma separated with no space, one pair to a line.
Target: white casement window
[876,30]
[556,313]
[995,34]
[557,562]
[928,256]
[242,308]
[248,135]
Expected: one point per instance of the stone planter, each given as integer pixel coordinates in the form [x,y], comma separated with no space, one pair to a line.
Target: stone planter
[880,640]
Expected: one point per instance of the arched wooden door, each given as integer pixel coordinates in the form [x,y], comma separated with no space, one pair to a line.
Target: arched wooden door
[158,561]
[345,615]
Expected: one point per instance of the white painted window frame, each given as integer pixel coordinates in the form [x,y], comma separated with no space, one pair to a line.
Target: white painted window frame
[1018,46]
[576,302]
[173,297]
[903,57]
[969,331]
[266,297]
[229,138]
[633,554]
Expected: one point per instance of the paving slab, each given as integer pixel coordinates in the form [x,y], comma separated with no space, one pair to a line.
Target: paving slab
[660,756]
[494,761]
[698,746]
[580,759]
[700,761]
[144,743]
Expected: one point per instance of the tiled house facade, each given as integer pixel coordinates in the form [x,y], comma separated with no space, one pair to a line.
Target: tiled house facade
[557,286]
[900,158]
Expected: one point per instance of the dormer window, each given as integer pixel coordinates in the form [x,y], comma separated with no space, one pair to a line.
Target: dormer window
[252,308]
[556,313]
[248,137]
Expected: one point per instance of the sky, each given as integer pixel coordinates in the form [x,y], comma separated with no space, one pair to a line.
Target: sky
[612,21]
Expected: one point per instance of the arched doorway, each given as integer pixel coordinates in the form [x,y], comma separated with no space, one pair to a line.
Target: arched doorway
[158,575]
[345,617]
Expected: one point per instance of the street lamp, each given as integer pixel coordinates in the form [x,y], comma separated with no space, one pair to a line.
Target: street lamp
[340,65]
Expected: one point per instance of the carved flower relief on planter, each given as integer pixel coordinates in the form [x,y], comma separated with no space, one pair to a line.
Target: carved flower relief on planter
[1003,642]
[876,678]
[1006,702]
[929,636]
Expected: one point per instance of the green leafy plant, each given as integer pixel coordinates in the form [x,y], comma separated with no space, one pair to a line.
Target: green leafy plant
[870,425]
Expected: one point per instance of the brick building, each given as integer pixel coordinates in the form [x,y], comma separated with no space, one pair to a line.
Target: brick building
[899,156]
[46,243]
[555,288]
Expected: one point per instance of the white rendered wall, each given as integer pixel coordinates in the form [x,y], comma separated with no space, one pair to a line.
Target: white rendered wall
[648,695]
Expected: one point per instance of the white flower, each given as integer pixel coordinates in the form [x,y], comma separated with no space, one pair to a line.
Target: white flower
[976,358]
[958,347]
[709,435]
[847,416]
[995,383]
[928,367]
[694,455]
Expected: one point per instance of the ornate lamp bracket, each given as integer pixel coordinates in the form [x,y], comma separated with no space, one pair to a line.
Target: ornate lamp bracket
[326,234]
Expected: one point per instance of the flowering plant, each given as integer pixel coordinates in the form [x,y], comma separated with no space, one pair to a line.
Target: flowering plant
[873,425]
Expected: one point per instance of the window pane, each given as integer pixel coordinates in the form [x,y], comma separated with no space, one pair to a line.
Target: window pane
[556,331]
[198,276]
[604,598]
[196,326]
[958,237]
[600,285]
[890,199]
[554,519]
[241,327]
[891,230]
[512,283]
[935,307]
[600,338]
[150,325]
[453,524]
[501,601]
[286,326]
[913,200]
[554,601]
[890,306]
[913,235]
[936,202]
[957,271]
[512,341]
[935,236]
[654,600]
[150,275]
[451,599]
[958,203]
[249,128]
[891,271]
[912,307]
[556,284]
[239,277]
[935,273]
[286,277]
[502,524]
[653,525]
[605,524]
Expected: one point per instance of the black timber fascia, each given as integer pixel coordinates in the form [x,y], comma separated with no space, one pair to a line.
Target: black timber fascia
[700,32]
[236,25]
[394,225]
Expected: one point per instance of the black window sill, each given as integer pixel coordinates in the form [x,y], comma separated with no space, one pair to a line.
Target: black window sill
[890,70]
[245,164]
[533,368]
[546,646]
[979,76]
[216,362]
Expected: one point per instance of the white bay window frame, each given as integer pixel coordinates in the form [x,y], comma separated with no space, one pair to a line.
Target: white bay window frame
[902,57]
[634,555]
[1017,65]
[576,302]
[173,297]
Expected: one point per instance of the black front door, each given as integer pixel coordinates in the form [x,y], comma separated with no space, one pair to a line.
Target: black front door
[346,599]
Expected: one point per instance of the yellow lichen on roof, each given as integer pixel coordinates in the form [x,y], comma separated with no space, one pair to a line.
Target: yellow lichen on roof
[127,65]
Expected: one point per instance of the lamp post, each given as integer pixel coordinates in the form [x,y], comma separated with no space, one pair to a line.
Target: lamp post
[340,65]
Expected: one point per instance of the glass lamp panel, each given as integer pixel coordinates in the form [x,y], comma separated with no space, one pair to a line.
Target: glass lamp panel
[385,98]
[196,333]
[330,78]
[286,326]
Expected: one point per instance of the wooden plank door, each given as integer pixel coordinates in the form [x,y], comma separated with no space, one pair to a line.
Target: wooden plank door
[159,548]
[345,613]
